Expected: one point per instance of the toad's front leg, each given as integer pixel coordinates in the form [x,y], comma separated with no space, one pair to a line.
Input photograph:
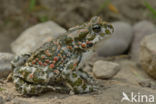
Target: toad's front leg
[75,82]
[84,75]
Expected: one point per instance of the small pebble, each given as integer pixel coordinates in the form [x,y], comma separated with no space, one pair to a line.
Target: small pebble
[105,69]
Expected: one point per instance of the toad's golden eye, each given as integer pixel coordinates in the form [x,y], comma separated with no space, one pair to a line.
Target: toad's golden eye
[96,28]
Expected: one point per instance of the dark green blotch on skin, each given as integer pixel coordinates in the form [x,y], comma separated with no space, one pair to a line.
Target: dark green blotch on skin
[74,75]
[37,79]
[84,86]
[82,35]
[70,66]
[75,90]
[102,34]
[105,26]
[25,91]
[25,74]
[107,31]
[91,89]
[91,38]
[68,40]
[78,82]
[110,26]
[32,90]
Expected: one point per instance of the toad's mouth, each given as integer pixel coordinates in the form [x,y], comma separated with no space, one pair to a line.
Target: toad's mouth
[94,39]
[97,39]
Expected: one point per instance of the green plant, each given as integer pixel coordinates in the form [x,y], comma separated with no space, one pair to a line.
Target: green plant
[1,89]
[32,5]
[151,9]
[43,18]
[103,6]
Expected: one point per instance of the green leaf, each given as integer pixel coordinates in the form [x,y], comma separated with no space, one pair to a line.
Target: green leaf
[32,5]
[150,8]
[1,89]
[103,6]
[43,18]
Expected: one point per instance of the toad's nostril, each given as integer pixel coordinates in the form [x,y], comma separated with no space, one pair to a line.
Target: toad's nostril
[110,29]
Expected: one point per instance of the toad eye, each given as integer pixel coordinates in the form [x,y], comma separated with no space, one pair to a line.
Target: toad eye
[96,28]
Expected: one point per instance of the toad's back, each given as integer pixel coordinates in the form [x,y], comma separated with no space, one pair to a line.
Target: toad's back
[53,54]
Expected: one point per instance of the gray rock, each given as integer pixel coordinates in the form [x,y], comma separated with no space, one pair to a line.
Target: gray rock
[147,55]
[5,66]
[35,36]
[1,100]
[141,29]
[119,42]
[105,70]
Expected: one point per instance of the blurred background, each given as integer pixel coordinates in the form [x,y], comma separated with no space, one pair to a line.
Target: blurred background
[18,15]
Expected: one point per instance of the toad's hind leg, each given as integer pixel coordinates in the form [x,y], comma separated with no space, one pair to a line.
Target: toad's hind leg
[75,82]
[33,80]
[32,89]
[26,88]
